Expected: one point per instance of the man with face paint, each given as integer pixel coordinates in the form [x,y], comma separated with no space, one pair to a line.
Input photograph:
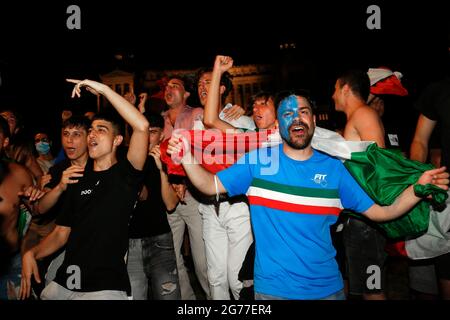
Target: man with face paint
[293,207]
[296,124]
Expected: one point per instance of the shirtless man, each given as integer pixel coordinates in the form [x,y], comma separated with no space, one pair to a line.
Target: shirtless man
[360,235]
[14,179]
[364,244]
[18,148]
[350,96]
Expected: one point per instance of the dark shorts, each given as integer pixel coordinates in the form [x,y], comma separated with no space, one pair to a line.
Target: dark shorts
[422,276]
[365,257]
[11,277]
[442,266]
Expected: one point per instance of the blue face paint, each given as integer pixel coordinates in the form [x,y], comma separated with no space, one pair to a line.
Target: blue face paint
[287,112]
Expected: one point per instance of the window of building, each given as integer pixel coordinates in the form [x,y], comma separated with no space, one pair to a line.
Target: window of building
[118,89]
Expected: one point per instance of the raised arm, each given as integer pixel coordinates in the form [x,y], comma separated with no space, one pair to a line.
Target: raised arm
[212,108]
[407,200]
[142,99]
[169,195]
[137,152]
[419,145]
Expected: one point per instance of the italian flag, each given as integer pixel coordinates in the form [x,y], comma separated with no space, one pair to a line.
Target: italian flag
[383,174]
[294,199]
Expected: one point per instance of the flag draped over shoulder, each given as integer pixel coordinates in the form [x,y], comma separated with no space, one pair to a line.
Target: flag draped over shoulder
[216,150]
[383,174]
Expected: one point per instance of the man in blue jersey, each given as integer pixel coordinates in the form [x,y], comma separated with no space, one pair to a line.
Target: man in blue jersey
[293,206]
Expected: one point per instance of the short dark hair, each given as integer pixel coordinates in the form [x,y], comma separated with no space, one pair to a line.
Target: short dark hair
[358,81]
[187,81]
[280,96]
[266,95]
[154,119]
[225,80]
[77,122]
[111,115]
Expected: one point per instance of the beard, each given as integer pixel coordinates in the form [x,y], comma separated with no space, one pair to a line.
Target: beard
[302,143]
[298,145]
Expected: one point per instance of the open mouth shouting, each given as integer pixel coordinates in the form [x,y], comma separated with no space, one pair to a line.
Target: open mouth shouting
[298,129]
[70,151]
[92,143]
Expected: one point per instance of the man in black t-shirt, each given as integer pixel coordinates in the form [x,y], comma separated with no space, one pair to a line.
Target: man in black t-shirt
[152,264]
[74,142]
[93,223]
[434,106]
[74,133]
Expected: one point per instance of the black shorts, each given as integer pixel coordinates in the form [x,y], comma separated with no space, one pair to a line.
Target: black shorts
[442,266]
[365,257]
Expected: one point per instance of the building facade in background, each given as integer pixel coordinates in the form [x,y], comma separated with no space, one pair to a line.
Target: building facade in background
[247,80]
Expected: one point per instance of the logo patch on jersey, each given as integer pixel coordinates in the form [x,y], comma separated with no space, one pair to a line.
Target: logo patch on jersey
[320,179]
[393,139]
[84,192]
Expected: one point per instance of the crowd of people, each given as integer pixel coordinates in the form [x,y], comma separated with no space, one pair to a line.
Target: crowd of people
[104,218]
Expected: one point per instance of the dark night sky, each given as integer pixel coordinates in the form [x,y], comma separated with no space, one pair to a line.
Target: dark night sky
[37,51]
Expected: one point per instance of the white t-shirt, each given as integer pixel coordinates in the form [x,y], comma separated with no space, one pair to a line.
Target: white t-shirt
[243,122]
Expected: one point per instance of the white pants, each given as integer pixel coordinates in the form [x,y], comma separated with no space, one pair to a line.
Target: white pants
[53,268]
[53,291]
[188,215]
[227,239]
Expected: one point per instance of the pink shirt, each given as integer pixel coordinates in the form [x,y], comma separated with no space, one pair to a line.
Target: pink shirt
[185,120]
